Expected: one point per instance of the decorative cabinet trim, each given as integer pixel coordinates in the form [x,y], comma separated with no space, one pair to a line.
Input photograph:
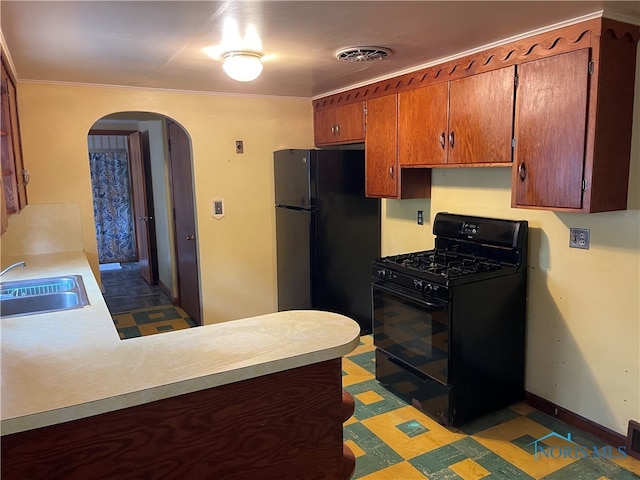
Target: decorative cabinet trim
[563,40]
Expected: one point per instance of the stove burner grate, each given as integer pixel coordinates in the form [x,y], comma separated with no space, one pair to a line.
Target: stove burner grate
[445,263]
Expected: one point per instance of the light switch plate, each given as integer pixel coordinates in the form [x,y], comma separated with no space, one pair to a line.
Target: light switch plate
[217,208]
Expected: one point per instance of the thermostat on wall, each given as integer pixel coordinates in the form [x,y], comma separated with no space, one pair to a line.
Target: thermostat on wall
[217,208]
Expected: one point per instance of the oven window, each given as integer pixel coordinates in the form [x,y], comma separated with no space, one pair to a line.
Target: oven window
[414,331]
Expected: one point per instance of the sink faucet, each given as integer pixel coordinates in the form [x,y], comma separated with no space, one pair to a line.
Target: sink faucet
[17,264]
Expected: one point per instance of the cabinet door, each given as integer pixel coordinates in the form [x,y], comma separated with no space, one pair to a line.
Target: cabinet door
[381,175]
[324,122]
[422,125]
[350,123]
[551,118]
[13,181]
[481,117]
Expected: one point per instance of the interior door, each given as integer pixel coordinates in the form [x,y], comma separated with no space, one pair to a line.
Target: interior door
[184,221]
[142,210]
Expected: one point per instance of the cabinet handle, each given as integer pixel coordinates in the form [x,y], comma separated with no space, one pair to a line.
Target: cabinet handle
[442,139]
[391,172]
[333,129]
[452,139]
[522,171]
[338,129]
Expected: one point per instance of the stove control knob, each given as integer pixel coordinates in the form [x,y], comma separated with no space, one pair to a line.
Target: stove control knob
[382,273]
[417,284]
[428,288]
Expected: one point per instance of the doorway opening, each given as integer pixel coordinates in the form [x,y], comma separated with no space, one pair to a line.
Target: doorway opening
[140,204]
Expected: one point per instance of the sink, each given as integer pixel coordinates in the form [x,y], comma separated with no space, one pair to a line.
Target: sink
[42,295]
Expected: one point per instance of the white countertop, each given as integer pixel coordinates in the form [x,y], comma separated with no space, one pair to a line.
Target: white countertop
[68,365]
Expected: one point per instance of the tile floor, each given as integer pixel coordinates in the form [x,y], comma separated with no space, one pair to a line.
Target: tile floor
[124,290]
[394,441]
[150,321]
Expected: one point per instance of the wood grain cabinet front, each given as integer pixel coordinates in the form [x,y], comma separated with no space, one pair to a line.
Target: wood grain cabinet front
[14,177]
[384,177]
[573,122]
[282,425]
[339,125]
[468,121]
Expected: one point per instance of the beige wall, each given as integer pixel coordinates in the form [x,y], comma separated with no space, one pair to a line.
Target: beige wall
[583,320]
[236,254]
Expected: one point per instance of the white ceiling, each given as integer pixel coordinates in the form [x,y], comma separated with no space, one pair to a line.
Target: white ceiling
[160,44]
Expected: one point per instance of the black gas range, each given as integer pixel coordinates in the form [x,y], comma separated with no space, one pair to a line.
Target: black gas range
[449,323]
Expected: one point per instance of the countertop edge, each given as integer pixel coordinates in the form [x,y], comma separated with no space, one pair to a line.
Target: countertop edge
[77,412]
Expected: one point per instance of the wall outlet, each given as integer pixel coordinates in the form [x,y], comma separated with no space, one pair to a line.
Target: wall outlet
[420,217]
[579,238]
[239,146]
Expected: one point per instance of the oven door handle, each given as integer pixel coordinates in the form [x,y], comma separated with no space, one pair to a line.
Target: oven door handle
[421,301]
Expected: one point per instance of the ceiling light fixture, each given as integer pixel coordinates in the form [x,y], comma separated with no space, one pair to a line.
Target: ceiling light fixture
[242,65]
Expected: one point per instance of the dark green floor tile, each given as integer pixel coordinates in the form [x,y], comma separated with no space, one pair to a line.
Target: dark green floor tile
[129,332]
[164,328]
[445,474]
[500,468]
[388,403]
[365,360]
[437,460]
[487,421]
[378,455]
[472,448]
[591,469]
[525,442]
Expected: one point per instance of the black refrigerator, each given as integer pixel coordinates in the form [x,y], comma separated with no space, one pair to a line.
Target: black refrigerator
[327,232]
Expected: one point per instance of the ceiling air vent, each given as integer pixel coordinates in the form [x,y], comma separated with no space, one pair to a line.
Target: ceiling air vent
[363,54]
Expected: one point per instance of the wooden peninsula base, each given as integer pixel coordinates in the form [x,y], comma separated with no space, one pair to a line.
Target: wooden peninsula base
[285,425]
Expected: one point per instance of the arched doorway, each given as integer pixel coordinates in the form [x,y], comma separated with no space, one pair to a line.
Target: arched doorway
[155,201]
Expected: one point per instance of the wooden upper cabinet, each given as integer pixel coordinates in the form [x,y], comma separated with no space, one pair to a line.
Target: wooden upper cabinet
[422,125]
[557,107]
[481,118]
[381,161]
[573,125]
[384,177]
[324,126]
[550,131]
[462,122]
[339,125]
[14,177]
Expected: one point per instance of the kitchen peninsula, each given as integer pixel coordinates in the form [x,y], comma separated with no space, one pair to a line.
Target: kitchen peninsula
[251,398]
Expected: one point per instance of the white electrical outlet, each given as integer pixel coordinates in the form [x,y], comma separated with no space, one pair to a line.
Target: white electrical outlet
[579,238]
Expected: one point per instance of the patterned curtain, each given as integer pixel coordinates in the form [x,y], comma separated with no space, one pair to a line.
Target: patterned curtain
[112,206]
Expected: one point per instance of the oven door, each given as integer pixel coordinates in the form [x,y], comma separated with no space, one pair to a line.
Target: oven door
[412,328]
